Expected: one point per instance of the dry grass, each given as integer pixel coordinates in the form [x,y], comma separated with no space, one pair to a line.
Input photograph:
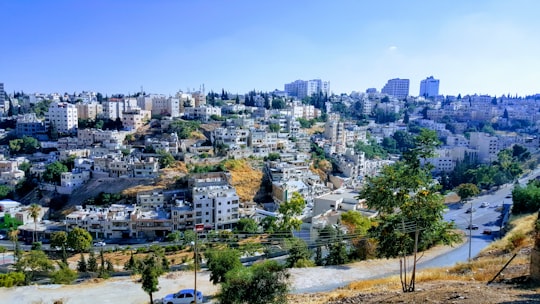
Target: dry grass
[482,269]
[519,236]
[245,179]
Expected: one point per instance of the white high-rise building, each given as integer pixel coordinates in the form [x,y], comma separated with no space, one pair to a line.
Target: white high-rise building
[399,88]
[2,93]
[429,87]
[302,88]
[64,117]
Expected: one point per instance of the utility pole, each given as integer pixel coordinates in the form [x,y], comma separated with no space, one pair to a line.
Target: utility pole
[198,228]
[470,232]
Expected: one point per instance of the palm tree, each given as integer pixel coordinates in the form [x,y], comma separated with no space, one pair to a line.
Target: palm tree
[34,211]
[14,237]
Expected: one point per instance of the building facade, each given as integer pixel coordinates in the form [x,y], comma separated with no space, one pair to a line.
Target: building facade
[63,116]
[303,88]
[399,88]
[429,87]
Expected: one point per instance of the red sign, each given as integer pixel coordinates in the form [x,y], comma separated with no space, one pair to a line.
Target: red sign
[199,227]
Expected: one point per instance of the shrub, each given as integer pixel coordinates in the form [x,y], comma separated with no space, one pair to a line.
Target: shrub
[516,240]
[64,275]
[12,279]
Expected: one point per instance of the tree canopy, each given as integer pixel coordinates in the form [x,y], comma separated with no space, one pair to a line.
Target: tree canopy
[79,239]
[405,192]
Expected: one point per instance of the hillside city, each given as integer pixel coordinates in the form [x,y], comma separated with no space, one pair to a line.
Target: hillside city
[142,168]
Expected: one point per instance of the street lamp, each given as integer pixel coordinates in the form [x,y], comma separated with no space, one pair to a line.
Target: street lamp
[198,228]
[470,231]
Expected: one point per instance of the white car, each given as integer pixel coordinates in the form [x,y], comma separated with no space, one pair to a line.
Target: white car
[99,244]
[484,205]
[184,296]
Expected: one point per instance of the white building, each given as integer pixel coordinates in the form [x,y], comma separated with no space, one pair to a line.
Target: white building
[302,88]
[429,87]
[399,88]
[64,117]
[202,113]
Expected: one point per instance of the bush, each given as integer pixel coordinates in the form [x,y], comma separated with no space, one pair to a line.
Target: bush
[64,275]
[12,279]
[516,240]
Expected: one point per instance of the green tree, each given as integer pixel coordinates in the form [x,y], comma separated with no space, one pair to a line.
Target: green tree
[34,212]
[247,225]
[262,283]
[59,239]
[13,236]
[404,192]
[149,276]
[79,239]
[189,236]
[289,212]
[53,172]
[278,103]
[465,191]
[165,159]
[355,222]
[33,262]
[274,127]
[220,262]
[337,253]
[273,156]
[5,191]
[92,264]
[81,264]
[63,275]
[299,253]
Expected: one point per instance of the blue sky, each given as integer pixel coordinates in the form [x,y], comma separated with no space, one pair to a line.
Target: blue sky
[485,47]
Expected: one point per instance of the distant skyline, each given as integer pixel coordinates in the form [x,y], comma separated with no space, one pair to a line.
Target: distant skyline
[483,47]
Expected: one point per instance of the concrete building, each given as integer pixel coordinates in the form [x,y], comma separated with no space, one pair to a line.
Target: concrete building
[303,88]
[89,110]
[429,87]
[202,113]
[487,146]
[63,116]
[3,99]
[399,88]
[135,118]
[215,202]
[30,125]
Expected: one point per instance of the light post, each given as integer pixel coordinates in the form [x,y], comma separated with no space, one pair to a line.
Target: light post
[470,231]
[198,228]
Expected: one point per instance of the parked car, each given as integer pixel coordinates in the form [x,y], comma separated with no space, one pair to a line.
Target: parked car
[484,205]
[469,210]
[487,231]
[99,244]
[473,227]
[184,296]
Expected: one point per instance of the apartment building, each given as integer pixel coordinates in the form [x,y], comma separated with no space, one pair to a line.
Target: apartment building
[399,88]
[301,88]
[115,107]
[429,87]
[233,137]
[90,110]
[487,146]
[201,113]
[135,119]
[215,201]
[30,125]
[63,116]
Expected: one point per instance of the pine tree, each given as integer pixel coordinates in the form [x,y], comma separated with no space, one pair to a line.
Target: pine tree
[92,262]
[81,265]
